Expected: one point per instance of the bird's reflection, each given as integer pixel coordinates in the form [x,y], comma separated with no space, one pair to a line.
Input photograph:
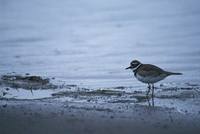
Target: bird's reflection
[150,101]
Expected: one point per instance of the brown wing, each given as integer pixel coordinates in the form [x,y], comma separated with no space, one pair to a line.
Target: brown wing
[149,70]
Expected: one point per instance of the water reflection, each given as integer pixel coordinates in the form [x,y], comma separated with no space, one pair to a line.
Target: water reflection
[150,101]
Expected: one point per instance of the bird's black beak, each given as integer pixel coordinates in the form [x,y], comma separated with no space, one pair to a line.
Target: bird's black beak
[128,67]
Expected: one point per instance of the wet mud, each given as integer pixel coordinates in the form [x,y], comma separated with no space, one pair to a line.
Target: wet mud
[45,100]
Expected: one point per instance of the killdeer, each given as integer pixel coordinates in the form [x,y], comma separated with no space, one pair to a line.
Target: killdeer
[149,74]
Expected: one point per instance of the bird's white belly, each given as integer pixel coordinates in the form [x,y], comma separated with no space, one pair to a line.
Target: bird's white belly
[149,79]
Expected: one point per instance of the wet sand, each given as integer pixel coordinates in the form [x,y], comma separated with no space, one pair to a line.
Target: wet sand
[73,109]
[25,116]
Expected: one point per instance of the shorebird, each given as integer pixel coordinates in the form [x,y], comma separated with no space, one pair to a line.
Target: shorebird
[149,74]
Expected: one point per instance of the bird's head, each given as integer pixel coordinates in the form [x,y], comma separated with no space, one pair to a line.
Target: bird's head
[134,65]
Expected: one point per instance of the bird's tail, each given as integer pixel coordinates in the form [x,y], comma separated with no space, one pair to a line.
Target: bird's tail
[172,73]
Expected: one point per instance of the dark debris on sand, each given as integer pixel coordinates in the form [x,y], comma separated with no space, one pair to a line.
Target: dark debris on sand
[26,82]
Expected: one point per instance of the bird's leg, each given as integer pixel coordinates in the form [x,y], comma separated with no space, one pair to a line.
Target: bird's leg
[152,90]
[148,91]
[153,86]
[152,101]
[149,86]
